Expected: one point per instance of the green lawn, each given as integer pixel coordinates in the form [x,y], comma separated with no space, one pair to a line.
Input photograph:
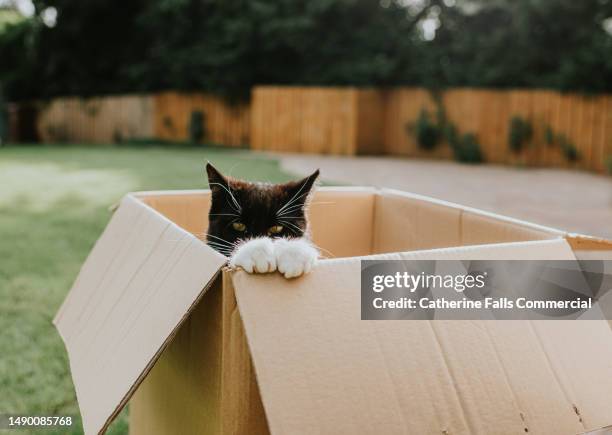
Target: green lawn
[53,205]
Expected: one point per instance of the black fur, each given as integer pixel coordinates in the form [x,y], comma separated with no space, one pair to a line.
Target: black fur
[259,206]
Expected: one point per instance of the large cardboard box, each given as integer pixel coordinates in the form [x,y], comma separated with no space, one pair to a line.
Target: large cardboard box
[155,316]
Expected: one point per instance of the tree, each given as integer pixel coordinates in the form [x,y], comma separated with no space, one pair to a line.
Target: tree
[558,44]
[226,47]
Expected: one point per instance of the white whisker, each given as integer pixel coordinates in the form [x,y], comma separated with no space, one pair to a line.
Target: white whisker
[294,197]
[218,244]
[321,202]
[295,227]
[234,166]
[328,252]
[223,214]
[291,217]
[229,190]
[288,209]
[220,240]
[291,204]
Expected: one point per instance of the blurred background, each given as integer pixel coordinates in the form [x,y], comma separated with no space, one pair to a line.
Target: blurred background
[504,105]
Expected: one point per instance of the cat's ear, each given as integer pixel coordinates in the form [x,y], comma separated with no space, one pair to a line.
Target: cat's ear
[300,190]
[217,182]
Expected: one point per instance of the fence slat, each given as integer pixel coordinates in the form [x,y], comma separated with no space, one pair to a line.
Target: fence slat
[340,121]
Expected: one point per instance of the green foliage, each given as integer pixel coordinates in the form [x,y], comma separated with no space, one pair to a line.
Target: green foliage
[549,136]
[197,126]
[428,134]
[609,164]
[212,46]
[228,47]
[466,148]
[452,135]
[568,149]
[9,16]
[559,44]
[519,133]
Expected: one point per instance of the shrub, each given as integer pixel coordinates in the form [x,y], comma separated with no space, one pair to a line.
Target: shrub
[58,133]
[427,132]
[609,164]
[197,131]
[549,135]
[568,148]
[466,148]
[519,133]
[451,135]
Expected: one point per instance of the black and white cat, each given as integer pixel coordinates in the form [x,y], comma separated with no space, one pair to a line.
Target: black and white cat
[262,227]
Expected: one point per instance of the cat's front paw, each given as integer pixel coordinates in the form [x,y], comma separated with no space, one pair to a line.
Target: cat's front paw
[295,257]
[255,256]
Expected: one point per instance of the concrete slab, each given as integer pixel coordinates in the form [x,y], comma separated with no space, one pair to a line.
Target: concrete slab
[569,200]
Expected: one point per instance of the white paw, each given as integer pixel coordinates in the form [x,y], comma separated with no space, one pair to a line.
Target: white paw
[295,257]
[255,256]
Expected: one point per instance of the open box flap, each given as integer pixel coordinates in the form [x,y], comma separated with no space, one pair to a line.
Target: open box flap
[454,377]
[138,284]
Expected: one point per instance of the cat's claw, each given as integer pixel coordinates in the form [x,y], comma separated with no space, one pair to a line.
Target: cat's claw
[294,257]
[255,256]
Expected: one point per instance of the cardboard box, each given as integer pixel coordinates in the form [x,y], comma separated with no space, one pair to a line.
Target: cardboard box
[155,316]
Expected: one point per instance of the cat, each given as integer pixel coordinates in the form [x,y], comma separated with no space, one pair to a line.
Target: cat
[262,227]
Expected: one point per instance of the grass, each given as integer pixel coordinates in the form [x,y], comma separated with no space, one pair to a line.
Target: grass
[53,206]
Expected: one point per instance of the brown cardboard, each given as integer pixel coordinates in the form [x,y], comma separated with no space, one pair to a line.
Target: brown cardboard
[140,280]
[320,369]
[204,382]
[392,371]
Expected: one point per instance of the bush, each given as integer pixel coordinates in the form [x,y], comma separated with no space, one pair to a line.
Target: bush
[609,164]
[568,148]
[519,133]
[549,135]
[197,130]
[466,148]
[451,135]
[427,133]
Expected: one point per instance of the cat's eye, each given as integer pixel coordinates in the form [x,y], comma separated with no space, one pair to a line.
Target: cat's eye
[239,226]
[275,229]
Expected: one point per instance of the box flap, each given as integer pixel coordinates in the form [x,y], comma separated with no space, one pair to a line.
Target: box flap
[138,284]
[406,221]
[445,377]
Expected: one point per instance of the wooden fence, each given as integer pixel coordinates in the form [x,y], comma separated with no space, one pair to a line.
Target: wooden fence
[297,119]
[358,121]
[586,122]
[163,116]
[342,121]
[224,124]
[96,120]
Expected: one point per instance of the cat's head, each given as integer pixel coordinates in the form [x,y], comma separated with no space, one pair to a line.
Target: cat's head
[242,210]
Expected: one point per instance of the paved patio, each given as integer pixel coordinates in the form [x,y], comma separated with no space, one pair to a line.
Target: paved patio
[569,200]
